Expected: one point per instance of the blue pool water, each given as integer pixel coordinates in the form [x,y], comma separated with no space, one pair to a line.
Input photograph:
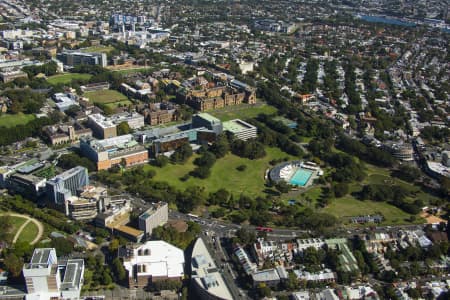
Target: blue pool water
[300,177]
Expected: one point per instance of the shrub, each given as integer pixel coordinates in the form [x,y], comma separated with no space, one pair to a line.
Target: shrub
[241,168]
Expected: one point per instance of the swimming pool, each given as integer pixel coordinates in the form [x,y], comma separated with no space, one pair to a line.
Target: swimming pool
[300,177]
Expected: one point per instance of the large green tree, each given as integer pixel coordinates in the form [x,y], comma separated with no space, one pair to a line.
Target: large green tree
[123,128]
[182,154]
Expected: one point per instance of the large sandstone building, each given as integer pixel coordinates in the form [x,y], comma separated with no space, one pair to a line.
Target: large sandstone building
[206,98]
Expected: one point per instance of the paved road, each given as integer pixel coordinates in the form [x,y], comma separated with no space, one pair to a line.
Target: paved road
[223,229]
[29,219]
[121,293]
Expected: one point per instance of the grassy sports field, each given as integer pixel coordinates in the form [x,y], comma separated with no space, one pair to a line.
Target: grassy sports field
[242,111]
[67,78]
[105,96]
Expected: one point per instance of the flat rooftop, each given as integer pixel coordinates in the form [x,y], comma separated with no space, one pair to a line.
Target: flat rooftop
[237,126]
[41,256]
[178,135]
[205,273]
[30,168]
[209,117]
[73,272]
[122,141]
[266,275]
[27,178]
[129,230]
[160,259]
[101,121]
[149,212]
[69,173]
[125,116]
[439,168]
[79,53]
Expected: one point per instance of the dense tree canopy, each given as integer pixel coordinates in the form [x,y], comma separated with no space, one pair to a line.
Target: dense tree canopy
[25,100]
[123,128]
[251,149]
[182,154]
[71,160]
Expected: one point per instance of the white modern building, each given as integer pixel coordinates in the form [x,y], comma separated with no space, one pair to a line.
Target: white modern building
[106,127]
[153,261]
[133,119]
[240,129]
[64,101]
[45,278]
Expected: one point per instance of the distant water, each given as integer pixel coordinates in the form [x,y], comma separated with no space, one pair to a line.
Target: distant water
[386,20]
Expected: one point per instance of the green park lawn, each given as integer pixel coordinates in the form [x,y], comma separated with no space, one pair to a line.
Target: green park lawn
[349,207]
[378,175]
[243,111]
[223,174]
[15,222]
[105,96]
[11,120]
[416,192]
[67,78]
[29,233]
[313,194]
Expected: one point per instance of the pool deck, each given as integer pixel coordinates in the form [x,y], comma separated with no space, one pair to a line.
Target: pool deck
[311,179]
[274,173]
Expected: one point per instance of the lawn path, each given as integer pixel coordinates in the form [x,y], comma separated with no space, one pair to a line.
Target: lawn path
[29,219]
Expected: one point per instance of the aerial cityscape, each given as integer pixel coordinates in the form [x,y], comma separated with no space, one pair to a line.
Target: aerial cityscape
[224,149]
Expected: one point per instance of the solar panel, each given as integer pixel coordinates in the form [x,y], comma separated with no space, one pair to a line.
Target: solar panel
[36,257]
[70,273]
[40,256]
